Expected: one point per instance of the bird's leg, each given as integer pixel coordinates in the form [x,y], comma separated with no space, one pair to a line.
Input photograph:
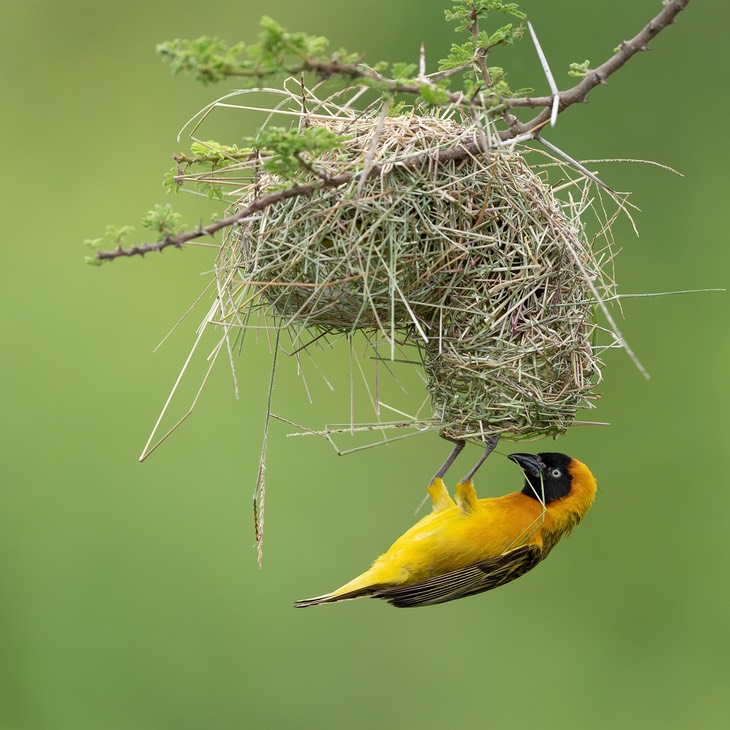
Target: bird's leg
[459,445]
[466,496]
[440,498]
[491,444]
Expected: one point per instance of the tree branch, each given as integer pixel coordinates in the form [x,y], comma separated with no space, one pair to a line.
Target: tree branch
[481,59]
[259,204]
[574,95]
[452,154]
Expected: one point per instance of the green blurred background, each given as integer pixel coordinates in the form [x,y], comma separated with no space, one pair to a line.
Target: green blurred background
[130,595]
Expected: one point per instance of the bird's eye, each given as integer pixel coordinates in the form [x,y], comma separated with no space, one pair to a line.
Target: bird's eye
[556,473]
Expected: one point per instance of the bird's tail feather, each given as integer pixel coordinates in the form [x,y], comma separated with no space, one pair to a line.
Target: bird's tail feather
[333,597]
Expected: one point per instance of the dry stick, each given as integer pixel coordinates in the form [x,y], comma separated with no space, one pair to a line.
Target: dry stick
[574,95]
[370,155]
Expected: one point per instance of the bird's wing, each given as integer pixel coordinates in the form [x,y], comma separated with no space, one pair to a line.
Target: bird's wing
[476,578]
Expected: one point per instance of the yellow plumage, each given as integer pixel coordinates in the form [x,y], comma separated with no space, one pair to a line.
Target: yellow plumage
[472,545]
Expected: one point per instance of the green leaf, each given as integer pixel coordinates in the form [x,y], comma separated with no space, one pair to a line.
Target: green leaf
[403,71]
[212,151]
[397,107]
[289,152]
[169,181]
[163,220]
[112,238]
[460,55]
[208,59]
[279,42]
[434,95]
[579,69]
[461,12]
[116,234]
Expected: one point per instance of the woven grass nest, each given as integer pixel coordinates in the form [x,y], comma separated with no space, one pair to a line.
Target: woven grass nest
[476,262]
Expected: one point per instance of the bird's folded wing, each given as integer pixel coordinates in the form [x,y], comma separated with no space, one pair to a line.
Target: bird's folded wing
[476,578]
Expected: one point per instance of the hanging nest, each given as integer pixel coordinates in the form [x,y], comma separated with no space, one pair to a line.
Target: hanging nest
[474,261]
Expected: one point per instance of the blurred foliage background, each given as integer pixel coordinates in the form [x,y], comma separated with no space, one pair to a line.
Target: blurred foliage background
[130,595]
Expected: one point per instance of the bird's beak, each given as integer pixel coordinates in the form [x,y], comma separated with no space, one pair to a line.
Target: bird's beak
[529,462]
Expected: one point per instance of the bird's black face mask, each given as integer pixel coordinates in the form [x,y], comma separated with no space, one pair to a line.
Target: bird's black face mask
[546,475]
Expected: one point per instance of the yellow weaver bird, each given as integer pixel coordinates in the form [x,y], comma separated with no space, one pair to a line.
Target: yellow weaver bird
[473,545]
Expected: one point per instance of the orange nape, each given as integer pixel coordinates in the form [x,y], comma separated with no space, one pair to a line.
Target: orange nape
[472,545]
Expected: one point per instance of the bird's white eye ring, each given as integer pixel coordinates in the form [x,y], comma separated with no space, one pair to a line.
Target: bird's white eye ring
[556,473]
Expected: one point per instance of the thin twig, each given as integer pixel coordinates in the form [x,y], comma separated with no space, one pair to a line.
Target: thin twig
[481,58]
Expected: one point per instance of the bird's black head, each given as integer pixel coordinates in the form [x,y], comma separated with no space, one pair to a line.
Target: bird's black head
[546,475]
